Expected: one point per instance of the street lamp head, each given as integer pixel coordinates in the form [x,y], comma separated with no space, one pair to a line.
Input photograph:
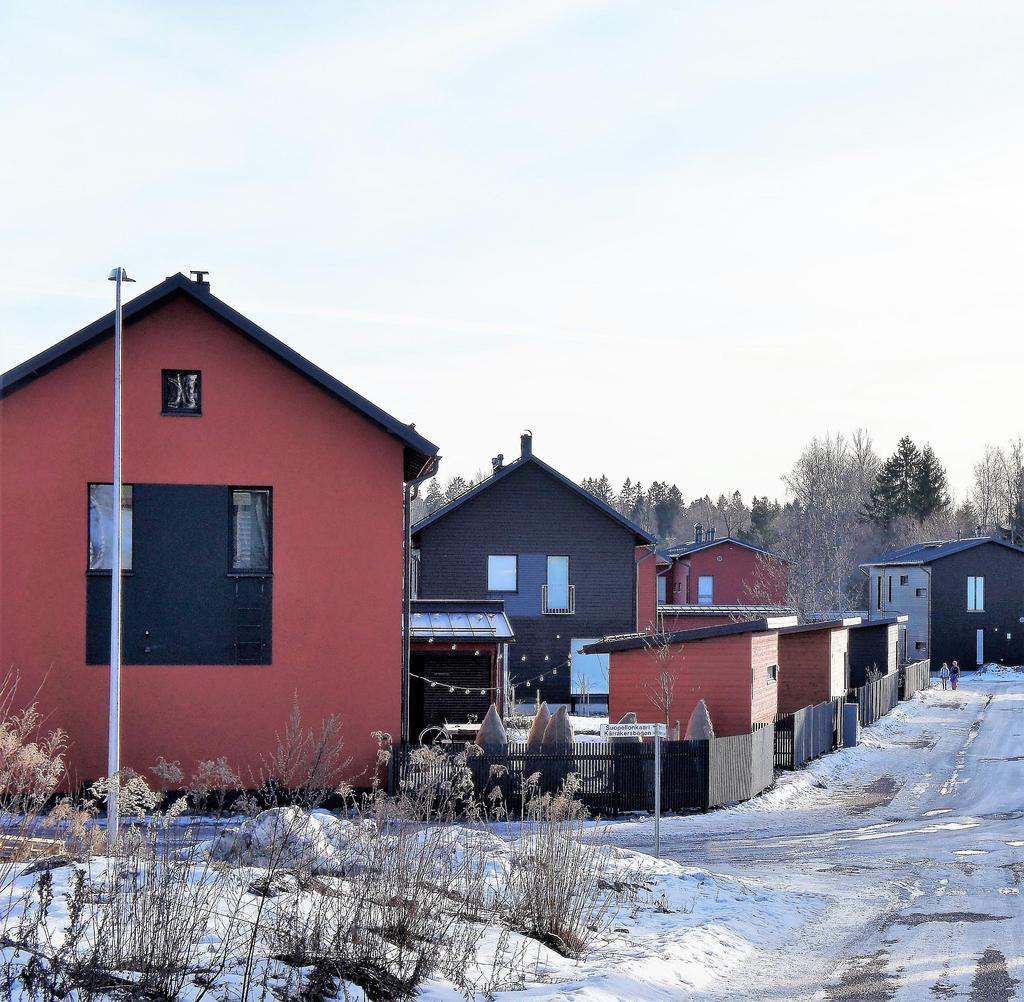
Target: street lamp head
[119,273]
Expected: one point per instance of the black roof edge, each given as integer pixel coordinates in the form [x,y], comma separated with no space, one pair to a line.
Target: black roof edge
[495,604]
[419,450]
[654,640]
[641,534]
[708,544]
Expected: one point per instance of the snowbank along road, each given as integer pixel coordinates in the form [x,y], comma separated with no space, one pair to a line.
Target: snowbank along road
[915,844]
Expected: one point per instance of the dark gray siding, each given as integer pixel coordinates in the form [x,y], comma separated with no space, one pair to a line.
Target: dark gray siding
[530,514]
[872,646]
[954,628]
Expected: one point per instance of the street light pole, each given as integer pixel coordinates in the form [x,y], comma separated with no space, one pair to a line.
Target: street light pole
[117,275]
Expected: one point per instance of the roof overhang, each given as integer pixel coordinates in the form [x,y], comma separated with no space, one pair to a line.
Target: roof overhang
[419,452]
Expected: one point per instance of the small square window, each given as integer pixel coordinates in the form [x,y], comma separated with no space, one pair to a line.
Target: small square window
[920,592]
[501,572]
[182,391]
[904,579]
[773,673]
[920,645]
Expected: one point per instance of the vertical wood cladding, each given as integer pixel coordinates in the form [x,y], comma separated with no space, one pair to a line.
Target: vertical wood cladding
[729,673]
[531,514]
[872,645]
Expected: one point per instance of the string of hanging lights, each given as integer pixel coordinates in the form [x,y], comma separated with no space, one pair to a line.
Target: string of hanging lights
[434,683]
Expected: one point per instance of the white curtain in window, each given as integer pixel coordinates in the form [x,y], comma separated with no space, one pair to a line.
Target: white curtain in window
[251,530]
[101,527]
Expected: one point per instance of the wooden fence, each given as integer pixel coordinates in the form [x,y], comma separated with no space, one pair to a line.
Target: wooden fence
[613,778]
[876,699]
[914,677]
[807,733]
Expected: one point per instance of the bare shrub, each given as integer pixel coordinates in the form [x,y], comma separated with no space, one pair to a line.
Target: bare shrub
[306,768]
[554,887]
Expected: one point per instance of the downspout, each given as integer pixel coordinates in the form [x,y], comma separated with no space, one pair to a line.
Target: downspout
[652,547]
[428,470]
[928,571]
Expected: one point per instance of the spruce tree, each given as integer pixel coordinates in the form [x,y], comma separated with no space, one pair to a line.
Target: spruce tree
[891,495]
[929,493]
[434,498]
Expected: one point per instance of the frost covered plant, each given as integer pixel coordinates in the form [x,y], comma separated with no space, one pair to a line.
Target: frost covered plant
[212,780]
[135,796]
[556,886]
[306,768]
[31,762]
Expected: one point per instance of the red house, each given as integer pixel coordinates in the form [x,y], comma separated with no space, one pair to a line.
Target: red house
[262,513]
[814,663]
[733,668]
[720,580]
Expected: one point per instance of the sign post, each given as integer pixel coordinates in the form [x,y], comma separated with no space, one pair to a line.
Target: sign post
[656,731]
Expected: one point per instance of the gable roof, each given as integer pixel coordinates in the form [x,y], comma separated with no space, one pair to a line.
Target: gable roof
[685,549]
[418,450]
[926,553]
[642,535]
[636,641]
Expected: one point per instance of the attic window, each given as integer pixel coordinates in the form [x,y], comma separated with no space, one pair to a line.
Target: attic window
[182,391]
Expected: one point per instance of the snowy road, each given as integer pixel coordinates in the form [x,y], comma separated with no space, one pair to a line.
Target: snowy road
[916,843]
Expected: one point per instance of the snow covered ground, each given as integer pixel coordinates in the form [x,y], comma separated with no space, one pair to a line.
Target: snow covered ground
[890,871]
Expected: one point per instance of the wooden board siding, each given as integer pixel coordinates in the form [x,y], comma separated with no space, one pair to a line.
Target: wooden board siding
[763,698]
[722,671]
[530,514]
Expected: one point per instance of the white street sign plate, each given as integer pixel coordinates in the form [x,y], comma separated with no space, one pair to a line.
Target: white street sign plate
[634,731]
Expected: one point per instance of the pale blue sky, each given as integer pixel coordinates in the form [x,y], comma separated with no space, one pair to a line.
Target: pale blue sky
[673,239]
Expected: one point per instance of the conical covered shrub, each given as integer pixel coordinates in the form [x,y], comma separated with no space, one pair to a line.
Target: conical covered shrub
[627,718]
[559,735]
[535,739]
[491,738]
[699,728]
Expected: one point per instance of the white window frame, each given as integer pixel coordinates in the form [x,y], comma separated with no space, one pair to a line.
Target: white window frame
[976,593]
[710,600]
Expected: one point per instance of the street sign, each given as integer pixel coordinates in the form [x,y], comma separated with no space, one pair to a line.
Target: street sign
[634,731]
[656,731]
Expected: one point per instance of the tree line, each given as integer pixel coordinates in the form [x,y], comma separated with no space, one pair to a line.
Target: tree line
[843,504]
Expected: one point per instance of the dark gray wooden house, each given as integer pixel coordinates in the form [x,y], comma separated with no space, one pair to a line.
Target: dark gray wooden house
[570,569]
[964,599]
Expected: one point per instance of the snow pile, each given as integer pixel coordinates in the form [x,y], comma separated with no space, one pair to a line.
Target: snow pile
[998,673]
[287,837]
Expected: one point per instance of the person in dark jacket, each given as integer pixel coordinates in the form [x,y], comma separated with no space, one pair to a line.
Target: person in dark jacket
[954,674]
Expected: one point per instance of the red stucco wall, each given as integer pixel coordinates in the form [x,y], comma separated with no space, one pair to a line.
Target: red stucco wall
[337,482]
[729,673]
[646,588]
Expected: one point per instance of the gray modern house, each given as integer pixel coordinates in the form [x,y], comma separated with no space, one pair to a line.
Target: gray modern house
[964,599]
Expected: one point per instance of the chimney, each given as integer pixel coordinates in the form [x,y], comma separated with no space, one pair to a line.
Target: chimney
[979,531]
[526,444]
[698,532]
[711,533]
[201,278]
[959,535]
[497,462]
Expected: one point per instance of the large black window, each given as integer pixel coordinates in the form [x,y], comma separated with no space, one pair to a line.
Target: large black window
[250,530]
[101,527]
[182,391]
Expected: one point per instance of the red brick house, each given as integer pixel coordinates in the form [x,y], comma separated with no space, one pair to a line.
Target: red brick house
[733,668]
[714,580]
[814,663]
[263,514]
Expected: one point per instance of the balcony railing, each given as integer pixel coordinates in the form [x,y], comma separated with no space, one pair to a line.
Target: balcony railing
[558,610]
